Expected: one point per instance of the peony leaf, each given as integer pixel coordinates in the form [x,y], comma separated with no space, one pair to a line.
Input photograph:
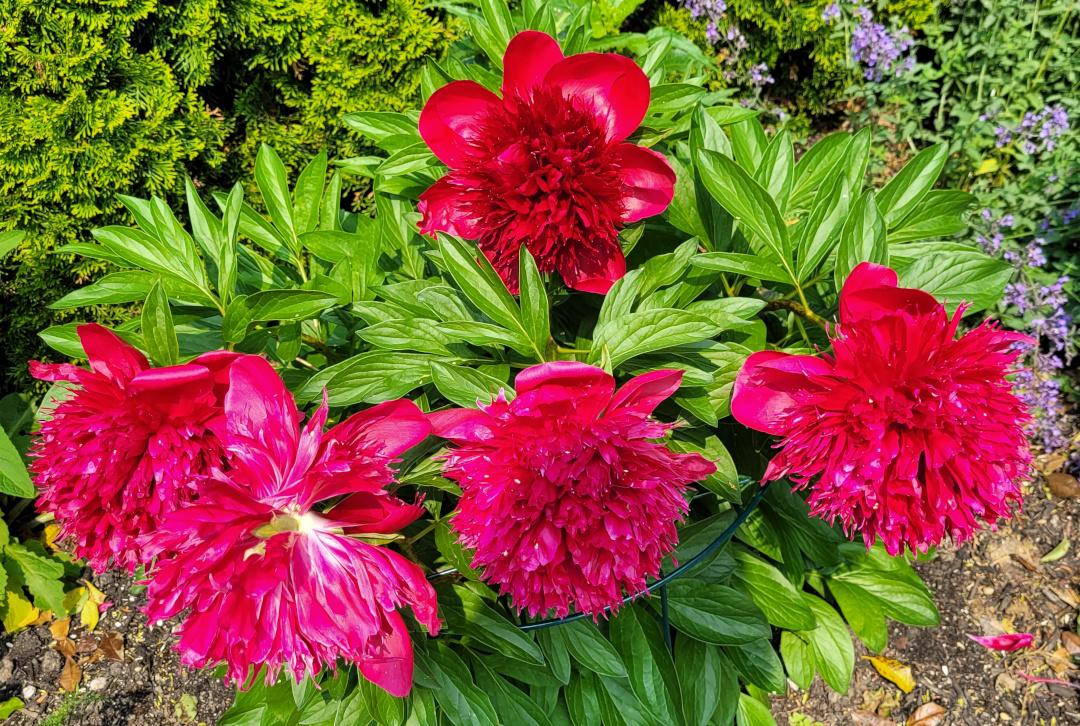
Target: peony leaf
[893,670]
[772,592]
[592,650]
[753,712]
[715,613]
[759,665]
[582,700]
[17,612]
[637,637]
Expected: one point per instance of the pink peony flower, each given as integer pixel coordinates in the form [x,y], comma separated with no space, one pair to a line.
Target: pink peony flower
[566,496]
[126,446]
[546,165]
[1009,641]
[268,579]
[913,434]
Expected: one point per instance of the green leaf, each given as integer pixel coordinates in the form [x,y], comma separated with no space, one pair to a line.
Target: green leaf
[534,300]
[462,701]
[900,600]
[419,334]
[10,706]
[939,214]
[9,240]
[668,97]
[582,700]
[759,664]
[14,479]
[700,670]
[772,592]
[228,262]
[308,193]
[862,239]
[510,702]
[749,203]
[705,132]
[42,575]
[288,305]
[619,706]
[553,643]
[727,115]
[863,613]
[715,613]
[407,160]
[591,649]
[905,190]
[753,712]
[830,641]
[821,230]
[465,386]
[644,332]
[273,183]
[857,157]
[452,551]
[157,328]
[798,659]
[390,131]
[749,142]
[637,638]
[497,14]
[815,166]
[969,276]
[483,623]
[740,264]
[776,170]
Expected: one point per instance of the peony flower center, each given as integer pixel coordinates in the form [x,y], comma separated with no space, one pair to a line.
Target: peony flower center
[289,522]
[544,176]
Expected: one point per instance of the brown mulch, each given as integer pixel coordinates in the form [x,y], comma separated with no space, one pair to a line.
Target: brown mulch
[992,585]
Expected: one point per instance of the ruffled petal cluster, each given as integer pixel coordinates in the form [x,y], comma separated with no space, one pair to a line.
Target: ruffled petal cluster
[567,496]
[267,578]
[127,445]
[907,433]
[546,165]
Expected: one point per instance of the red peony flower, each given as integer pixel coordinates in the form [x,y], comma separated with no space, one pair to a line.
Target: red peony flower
[269,580]
[126,446]
[566,497]
[545,165]
[912,434]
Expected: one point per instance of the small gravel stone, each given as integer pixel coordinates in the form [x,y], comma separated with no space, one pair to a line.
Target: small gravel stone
[51,662]
[28,692]
[98,684]
[7,669]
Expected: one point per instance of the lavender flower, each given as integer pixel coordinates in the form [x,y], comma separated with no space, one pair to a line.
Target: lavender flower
[759,75]
[712,11]
[831,13]
[1036,132]
[881,51]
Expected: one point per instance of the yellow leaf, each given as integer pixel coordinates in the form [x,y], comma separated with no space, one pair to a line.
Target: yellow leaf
[989,166]
[73,600]
[89,614]
[52,531]
[1007,626]
[96,595]
[895,671]
[18,612]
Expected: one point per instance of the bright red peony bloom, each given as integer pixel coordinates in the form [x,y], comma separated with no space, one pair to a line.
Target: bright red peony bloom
[126,446]
[566,496]
[545,165]
[268,579]
[913,435]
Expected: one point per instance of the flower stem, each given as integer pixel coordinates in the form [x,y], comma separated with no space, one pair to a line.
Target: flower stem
[802,310]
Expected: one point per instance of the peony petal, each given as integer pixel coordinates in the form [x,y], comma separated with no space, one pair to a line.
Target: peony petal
[165,387]
[450,119]
[218,362]
[387,430]
[613,86]
[595,270]
[870,291]
[259,407]
[109,354]
[461,424]
[1010,641]
[649,181]
[765,384]
[571,374]
[439,205]
[394,672]
[378,513]
[642,394]
[529,56]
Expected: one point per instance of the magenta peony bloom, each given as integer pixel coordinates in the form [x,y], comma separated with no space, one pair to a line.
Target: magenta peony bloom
[1009,641]
[126,446]
[913,435]
[545,165]
[266,578]
[566,496]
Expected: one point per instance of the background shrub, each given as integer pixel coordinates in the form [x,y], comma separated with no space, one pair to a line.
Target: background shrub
[100,98]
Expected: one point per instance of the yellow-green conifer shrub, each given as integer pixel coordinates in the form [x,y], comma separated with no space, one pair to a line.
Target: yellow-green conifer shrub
[99,98]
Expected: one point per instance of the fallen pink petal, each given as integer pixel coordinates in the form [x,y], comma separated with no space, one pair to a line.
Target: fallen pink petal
[1009,641]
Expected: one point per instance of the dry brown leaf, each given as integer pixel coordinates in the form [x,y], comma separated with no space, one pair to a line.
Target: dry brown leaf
[41,619]
[869,718]
[66,647]
[928,714]
[112,644]
[893,670]
[60,629]
[1006,683]
[86,644]
[1053,463]
[1071,641]
[1063,486]
[70,676]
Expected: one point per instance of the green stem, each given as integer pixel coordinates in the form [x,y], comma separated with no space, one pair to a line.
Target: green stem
[802,311]
[1050,47]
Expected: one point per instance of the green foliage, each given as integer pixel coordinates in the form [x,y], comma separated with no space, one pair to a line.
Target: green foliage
[128,97]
